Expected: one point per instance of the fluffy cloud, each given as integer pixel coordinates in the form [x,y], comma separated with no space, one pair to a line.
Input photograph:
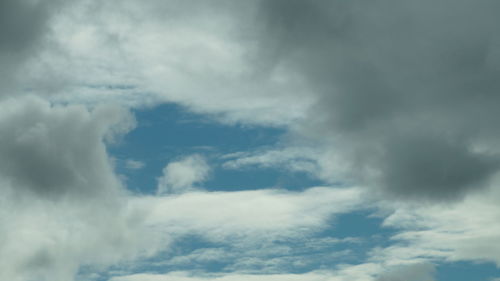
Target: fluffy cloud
[180,176]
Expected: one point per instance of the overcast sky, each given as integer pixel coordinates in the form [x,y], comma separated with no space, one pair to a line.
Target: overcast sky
[275,140]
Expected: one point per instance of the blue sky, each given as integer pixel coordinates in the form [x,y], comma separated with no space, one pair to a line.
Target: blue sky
[222,140]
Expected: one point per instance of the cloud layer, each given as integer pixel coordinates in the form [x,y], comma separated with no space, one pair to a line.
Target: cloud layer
[397,96]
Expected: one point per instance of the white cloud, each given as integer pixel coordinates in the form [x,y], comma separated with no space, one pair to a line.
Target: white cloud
[182,175]
[220,215]
[292,158]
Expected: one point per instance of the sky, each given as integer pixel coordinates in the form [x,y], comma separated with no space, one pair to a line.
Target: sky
[275,140]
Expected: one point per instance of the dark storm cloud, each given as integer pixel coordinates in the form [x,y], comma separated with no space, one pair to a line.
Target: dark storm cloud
[408,91]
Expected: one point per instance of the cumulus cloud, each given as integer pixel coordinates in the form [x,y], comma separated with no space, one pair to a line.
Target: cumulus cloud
[57,151]
[180,176]
[62,205]
[406,91]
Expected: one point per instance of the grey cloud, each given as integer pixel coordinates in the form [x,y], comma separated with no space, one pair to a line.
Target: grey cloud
[56,151]
[407,91]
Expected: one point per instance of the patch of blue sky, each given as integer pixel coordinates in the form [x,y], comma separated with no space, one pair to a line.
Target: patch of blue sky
[361,226]
[255,177]
[168,132]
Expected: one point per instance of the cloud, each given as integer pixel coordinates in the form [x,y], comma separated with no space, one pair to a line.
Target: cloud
[222,214]
[180,176]
[55,151]
[292,158]
[396,95]
[406,90]
[62,205]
